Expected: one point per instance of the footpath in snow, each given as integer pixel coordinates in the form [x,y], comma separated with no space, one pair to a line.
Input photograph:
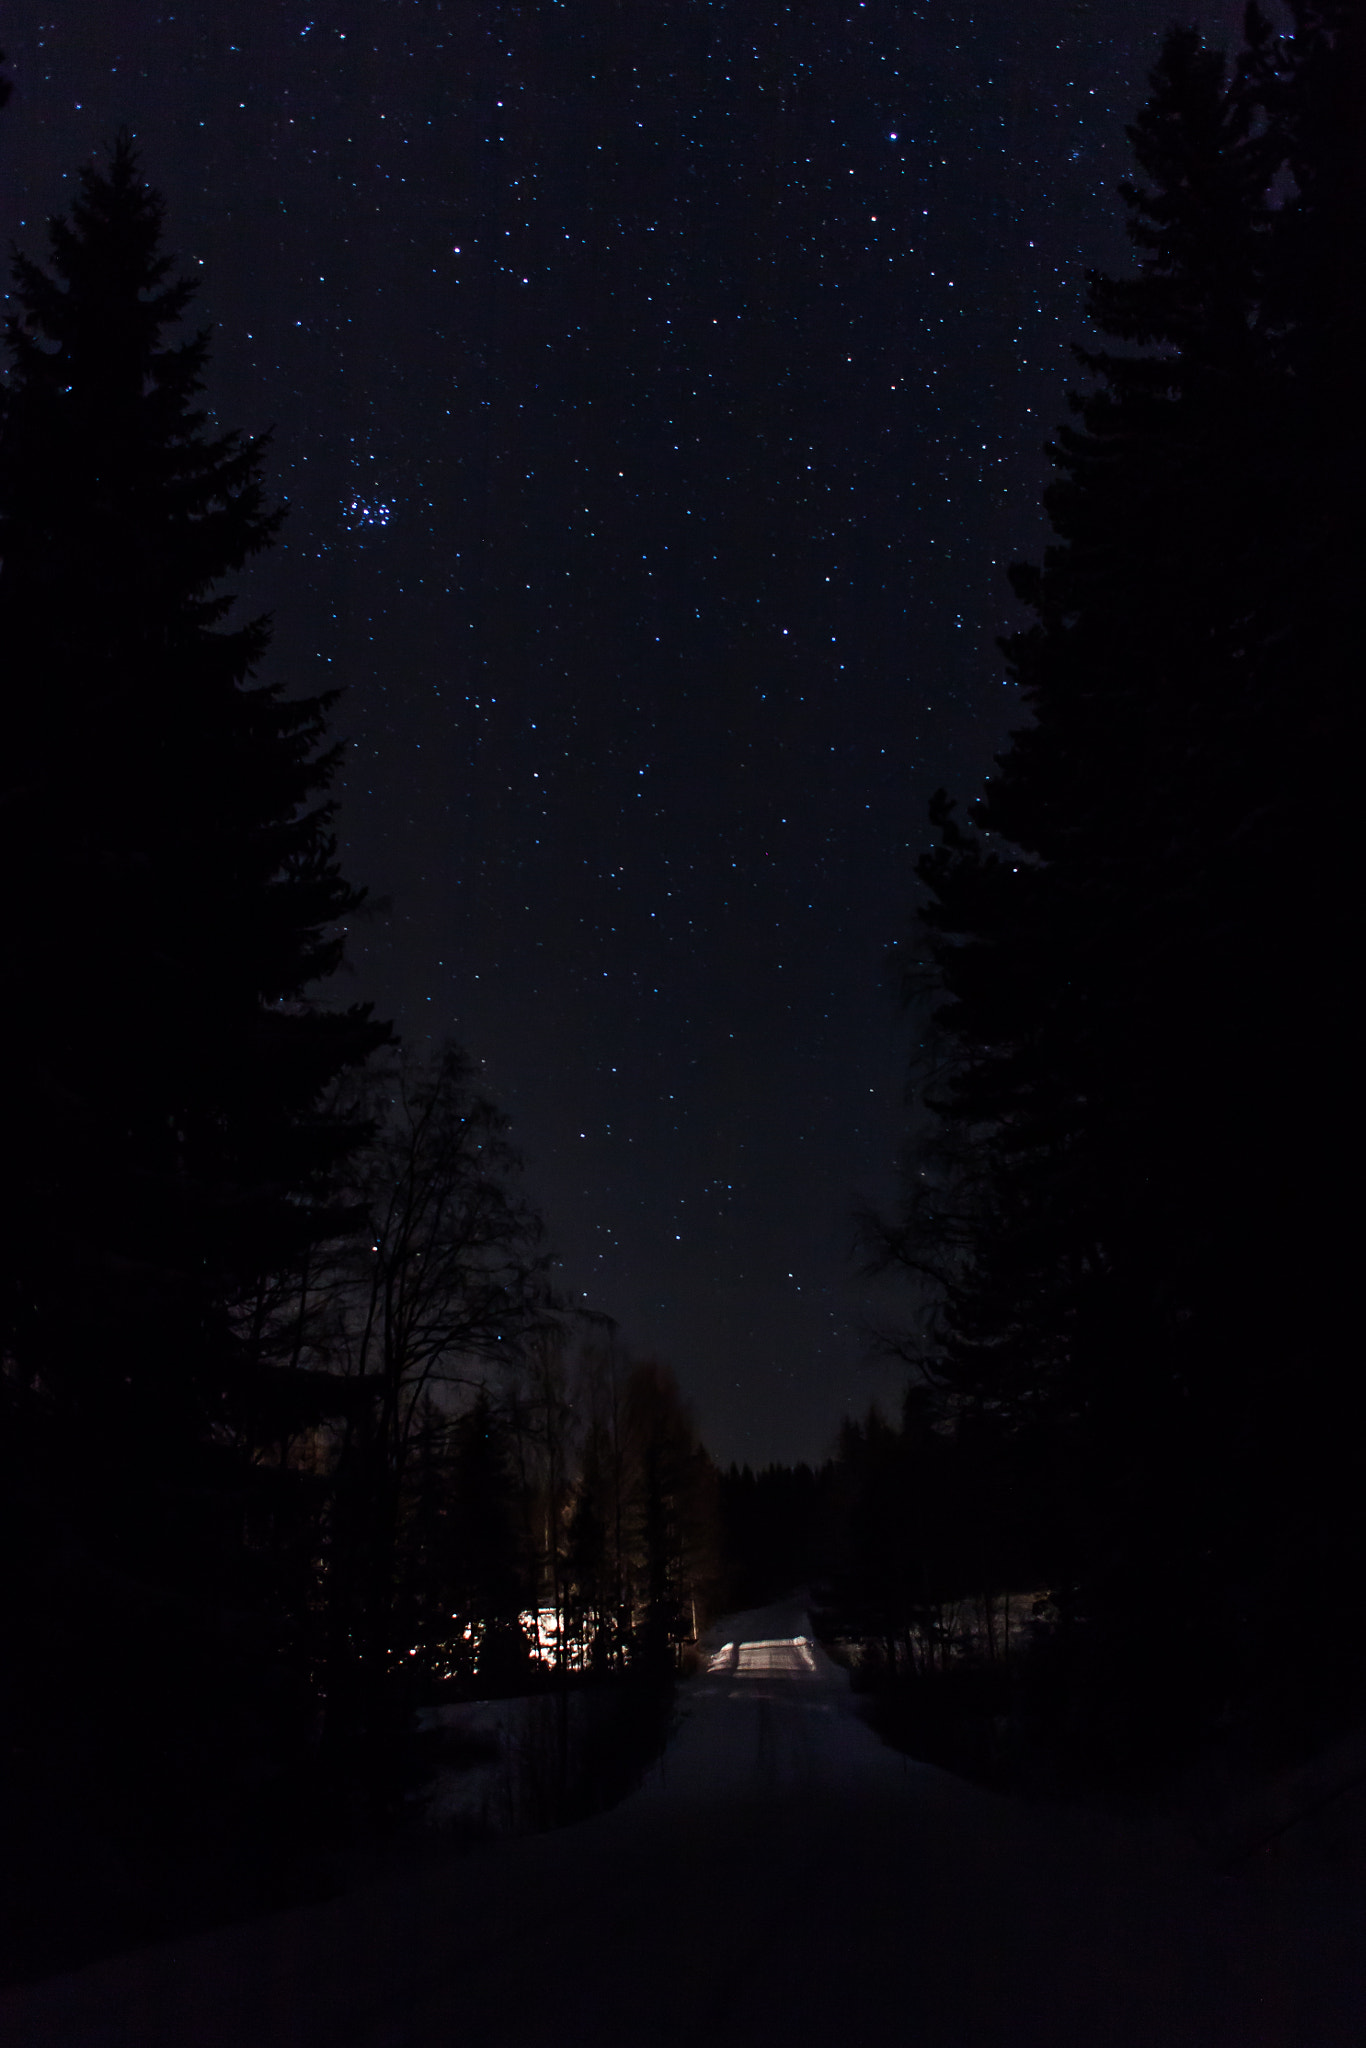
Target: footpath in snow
[781,1877]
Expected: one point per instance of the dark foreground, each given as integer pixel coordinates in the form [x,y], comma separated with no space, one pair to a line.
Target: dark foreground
[781,1878]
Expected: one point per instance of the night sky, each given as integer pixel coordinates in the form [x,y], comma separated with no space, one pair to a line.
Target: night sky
[659,393]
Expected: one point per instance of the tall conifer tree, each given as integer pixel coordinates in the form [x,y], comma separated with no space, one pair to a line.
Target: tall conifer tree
[1062,947]
[173,898]
[173,883]
[1115,1211]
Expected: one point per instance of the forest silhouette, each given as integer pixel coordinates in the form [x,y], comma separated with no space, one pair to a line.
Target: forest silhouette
[301,1438]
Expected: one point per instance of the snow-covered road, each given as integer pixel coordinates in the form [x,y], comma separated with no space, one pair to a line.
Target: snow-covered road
[781,1878]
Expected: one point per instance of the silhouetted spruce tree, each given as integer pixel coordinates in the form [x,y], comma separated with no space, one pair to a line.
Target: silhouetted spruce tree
[1113,1209]
[173,897]
[1065,948]
[173,878]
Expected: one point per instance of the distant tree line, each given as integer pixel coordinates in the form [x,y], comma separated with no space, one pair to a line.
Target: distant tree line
[293,1423]
[1131,1218]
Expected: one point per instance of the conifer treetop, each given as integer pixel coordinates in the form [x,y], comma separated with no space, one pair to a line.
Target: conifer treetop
[108,405]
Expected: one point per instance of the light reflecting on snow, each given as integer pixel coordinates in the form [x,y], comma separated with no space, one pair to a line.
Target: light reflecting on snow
[770,1655]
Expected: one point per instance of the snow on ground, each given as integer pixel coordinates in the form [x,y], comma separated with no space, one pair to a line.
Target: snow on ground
[500,1769]
[488,1794]
[780,1877]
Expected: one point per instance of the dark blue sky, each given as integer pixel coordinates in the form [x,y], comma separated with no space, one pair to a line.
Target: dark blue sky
[659,393]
